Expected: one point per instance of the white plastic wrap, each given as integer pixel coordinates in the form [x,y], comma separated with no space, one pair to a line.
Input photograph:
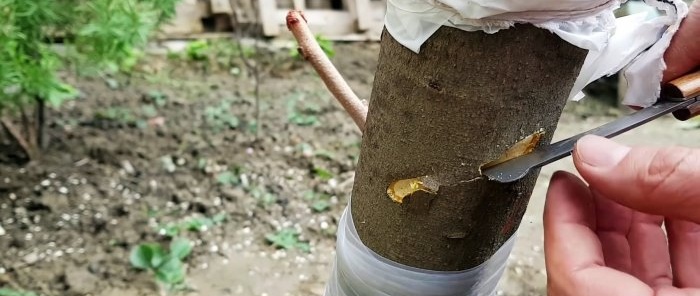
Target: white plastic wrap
[636,42]
[358,271]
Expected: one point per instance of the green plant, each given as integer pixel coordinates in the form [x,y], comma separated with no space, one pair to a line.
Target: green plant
[197,50]
[13,292]
[228,178]
[322,173]
[263,196]
[157,97]
[302,112]
[191,224]
[326,46]
[167,266]
[220,116]
[319,202]
[98,36]
[287,239]
[117,114]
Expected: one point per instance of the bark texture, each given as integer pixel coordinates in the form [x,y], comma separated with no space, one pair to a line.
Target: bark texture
[460,103]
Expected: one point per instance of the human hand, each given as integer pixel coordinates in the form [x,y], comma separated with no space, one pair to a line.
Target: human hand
[683,54]
[607,238]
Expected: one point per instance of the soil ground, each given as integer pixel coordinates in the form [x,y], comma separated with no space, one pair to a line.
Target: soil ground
[181,141]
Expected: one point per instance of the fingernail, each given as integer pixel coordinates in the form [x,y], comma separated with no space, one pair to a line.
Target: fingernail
[600,152]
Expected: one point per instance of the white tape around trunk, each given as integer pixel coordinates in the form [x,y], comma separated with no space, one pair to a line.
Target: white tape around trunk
[635,42]
[358,271]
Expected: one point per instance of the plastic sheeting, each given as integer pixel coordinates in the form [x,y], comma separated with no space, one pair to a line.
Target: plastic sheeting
[358,271]
[634,43]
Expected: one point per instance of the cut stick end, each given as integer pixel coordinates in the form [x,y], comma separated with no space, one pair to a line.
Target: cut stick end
[294,17]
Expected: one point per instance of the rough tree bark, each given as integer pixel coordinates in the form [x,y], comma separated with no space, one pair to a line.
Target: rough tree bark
[460,103]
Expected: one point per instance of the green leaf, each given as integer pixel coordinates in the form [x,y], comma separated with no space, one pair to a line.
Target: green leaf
[322,173]
[170,230]
[146,256]
[199,224]
[320,206]
[218,218]
[287,239]
[12,292]
[61,93]
[227,178]
[180,248]
[171,271]
[304,247]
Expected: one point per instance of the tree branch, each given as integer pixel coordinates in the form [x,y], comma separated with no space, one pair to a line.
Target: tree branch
[312,52]
[17,136]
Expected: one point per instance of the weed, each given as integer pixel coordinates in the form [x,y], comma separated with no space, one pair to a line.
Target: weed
[191,224]
[220,116]
[13,292]
[156,97]
[326,46]
[302,113]
[197,50]
[322,173]
[228,178]
[287,239]
[167,266]
[319,202]
[263,196]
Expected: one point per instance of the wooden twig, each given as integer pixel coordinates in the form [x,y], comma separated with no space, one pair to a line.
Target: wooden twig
[251,66]
[17,137]
[40,122]
[312,52]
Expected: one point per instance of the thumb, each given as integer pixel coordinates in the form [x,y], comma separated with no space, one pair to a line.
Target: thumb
[660,181]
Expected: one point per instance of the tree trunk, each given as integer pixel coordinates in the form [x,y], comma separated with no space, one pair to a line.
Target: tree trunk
[460,103]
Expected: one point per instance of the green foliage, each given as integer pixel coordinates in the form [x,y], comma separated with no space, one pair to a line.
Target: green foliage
[192,224]
[302,112]
[167,267]
[326,46]
[287,239]
[223,54]
[98,35]
[264,197]
[220,117]
[117,114]
[12,292]
[157,97]
[322,173]
[197,50]
[228,178]
[319,202]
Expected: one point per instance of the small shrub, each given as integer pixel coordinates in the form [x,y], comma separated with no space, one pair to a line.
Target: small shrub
[167,266]
[100,36]
[287,239]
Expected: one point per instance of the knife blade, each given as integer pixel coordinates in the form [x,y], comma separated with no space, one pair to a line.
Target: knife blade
[681,97]
[516,168]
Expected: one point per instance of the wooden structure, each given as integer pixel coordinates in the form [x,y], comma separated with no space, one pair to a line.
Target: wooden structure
[334,19]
